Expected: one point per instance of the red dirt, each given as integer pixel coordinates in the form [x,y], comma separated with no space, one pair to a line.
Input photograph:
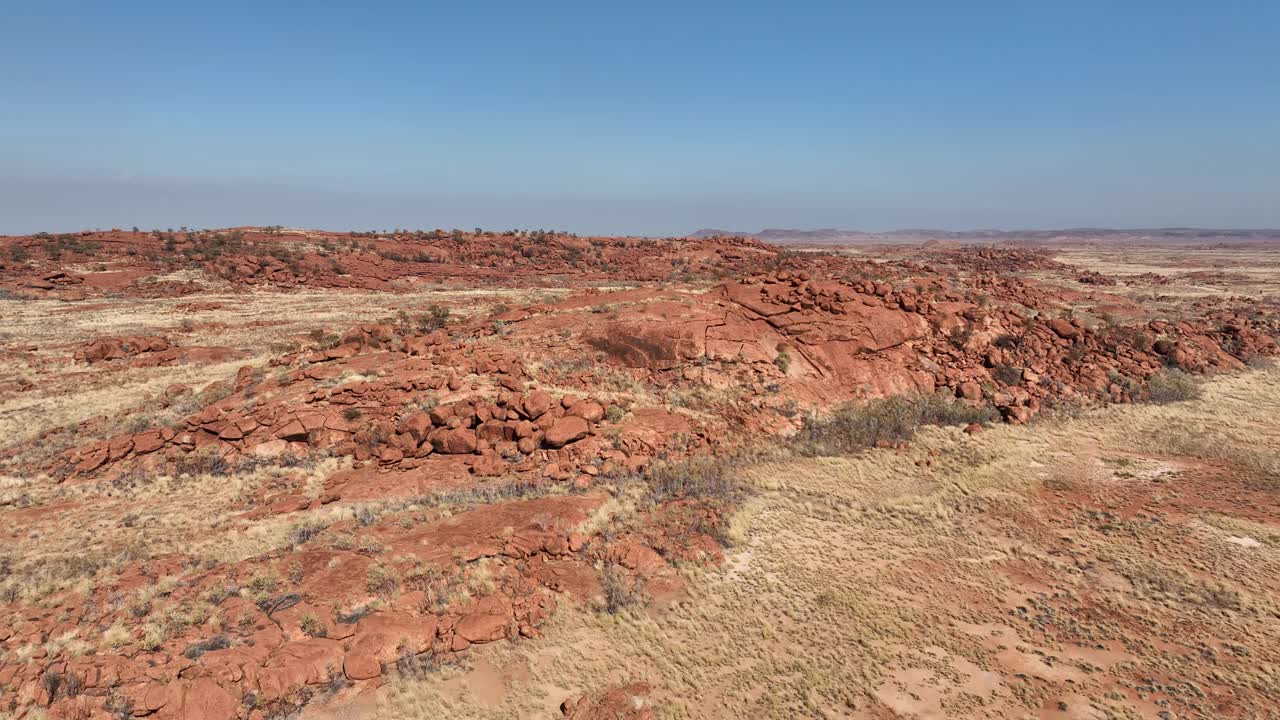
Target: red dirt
[479,409]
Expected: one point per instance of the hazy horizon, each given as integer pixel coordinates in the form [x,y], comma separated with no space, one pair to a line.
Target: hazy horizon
[648,121]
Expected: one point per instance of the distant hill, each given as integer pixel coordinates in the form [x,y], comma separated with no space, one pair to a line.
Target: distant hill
[834,236]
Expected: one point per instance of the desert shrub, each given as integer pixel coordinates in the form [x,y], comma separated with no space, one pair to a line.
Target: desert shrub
[312,626]
[355,616]
[614,414]
[55,247]
[364,516]
[363,544]
[486,494]
[217,642]
[439,588]
[620,591]
[118,706]
[218,593]
[436,317]
[783,361]
[411,665]
[1172,385]
[301,532]
[153,636]
[1007,374]
[960,335]
[382,580]
[696,477]
[855,427]
[61,685]
[206,461]
[324,340]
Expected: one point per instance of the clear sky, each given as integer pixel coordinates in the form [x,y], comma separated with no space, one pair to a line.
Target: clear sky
[644,117]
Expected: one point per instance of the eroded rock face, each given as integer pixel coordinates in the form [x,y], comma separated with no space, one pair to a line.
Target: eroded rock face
[116,348]
[824,329]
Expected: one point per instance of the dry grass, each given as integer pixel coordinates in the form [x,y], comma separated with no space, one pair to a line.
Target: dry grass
[262,323]
[868,586]
[101,525]
[960,577]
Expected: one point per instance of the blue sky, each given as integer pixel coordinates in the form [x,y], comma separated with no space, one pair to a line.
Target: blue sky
[649,118]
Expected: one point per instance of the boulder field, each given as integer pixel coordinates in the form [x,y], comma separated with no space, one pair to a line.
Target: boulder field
[494,447]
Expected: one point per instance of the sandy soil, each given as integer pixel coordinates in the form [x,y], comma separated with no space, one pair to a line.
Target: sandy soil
[1074,568]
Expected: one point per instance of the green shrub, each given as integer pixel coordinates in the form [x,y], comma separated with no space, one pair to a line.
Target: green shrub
[783,361]
[382,580]
[312,626]
[435,318]
[614,414]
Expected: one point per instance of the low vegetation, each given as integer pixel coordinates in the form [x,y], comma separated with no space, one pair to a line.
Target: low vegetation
[1172,385]
[855,427]
[697,477]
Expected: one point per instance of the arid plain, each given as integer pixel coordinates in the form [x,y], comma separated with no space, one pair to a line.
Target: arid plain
[267,473]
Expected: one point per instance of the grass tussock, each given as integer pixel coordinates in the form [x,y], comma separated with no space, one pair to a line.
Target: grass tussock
[855,427]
